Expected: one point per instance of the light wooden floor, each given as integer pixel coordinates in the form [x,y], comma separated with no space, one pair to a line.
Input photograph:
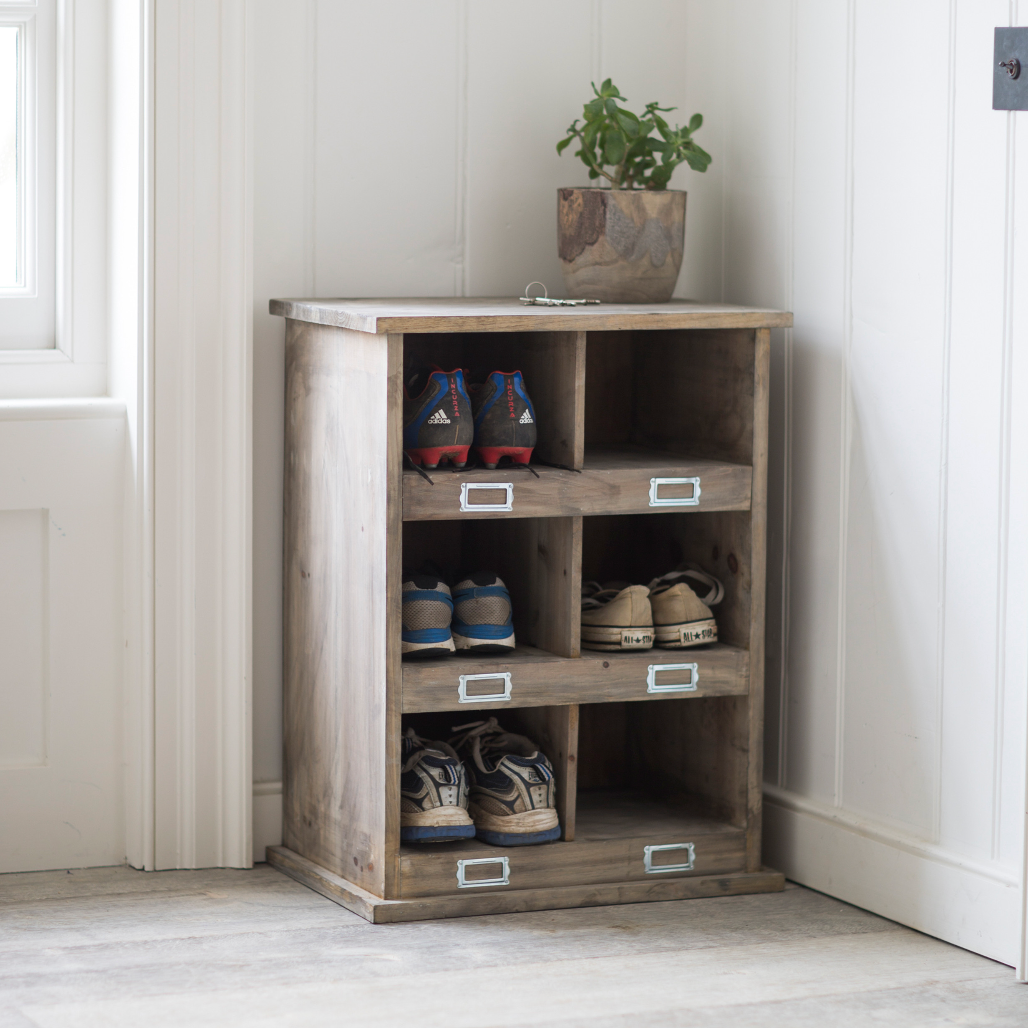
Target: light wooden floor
[117,947]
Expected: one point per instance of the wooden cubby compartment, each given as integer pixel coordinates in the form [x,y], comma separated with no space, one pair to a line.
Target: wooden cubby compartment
[658,768]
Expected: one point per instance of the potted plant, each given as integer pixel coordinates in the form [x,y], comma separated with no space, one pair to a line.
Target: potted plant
[622,242]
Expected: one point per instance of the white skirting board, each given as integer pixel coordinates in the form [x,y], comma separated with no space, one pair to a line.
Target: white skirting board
[267,818]
[912,882]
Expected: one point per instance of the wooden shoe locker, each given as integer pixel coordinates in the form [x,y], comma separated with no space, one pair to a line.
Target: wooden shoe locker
[662,412]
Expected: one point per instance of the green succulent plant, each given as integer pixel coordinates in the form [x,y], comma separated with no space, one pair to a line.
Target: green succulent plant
[614,138]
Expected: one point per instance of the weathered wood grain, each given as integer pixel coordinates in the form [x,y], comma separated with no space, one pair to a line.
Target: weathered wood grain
[505,314]
[487,901]
[553,364]
[336,669]
[555,729]
[539,678]
[614,480]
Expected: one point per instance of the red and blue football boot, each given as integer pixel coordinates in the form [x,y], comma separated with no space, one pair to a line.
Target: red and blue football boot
[504,419]
[437,419]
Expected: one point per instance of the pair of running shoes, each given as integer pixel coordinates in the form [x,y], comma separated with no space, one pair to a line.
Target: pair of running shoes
[475,616]
[484,782]
[668,612]
[447,413]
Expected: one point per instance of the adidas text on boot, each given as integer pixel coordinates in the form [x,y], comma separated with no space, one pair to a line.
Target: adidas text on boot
[437,419]
[504,419]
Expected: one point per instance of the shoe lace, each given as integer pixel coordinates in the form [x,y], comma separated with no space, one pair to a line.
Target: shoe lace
[697,574]
[487,741]
[419,746]
[595,595]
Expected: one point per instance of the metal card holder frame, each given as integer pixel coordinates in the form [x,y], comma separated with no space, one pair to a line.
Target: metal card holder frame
[691,686]
[479,883]
[465,497]
[648,852]
[462,688]
[675,501]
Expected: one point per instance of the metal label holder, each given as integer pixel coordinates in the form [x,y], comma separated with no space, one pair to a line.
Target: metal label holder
[648,852]
[481,883]
[691,686]
[462,689]
[465,497]
[675,501]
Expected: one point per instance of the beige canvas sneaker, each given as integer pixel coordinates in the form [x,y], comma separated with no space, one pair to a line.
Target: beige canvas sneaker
[616,616]
[680,618]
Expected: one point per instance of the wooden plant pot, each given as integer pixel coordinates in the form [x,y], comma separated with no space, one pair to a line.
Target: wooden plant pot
[621,245]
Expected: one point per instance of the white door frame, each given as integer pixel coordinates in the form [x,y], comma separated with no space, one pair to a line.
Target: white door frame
[181,358]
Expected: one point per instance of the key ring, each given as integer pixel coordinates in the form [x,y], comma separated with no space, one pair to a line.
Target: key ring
[549,301]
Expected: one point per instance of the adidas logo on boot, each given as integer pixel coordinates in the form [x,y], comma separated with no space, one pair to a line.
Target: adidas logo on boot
[504,419]
[438,423]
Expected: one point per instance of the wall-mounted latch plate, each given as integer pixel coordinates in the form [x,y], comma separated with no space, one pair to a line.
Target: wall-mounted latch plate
[1010,69]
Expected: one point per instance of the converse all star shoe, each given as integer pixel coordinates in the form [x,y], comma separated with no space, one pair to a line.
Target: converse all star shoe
[426,610]
[504,419]
[512,792]
[680,618]
[616,616]
[482,620]
[433,792]
[437,419]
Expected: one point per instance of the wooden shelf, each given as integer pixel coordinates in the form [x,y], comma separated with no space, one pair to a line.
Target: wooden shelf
[539,678]
[613,831]
[613,480]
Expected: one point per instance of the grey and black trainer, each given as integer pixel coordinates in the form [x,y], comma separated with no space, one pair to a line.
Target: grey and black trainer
[425,612]
[482,615]
[433,792]
[512,791]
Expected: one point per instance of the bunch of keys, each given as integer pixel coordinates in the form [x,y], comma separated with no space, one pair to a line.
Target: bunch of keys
[549,301]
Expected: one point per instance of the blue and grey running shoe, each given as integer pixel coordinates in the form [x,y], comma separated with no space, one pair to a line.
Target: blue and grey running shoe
[482,620]
[513,794]
[426,610]
[433,793]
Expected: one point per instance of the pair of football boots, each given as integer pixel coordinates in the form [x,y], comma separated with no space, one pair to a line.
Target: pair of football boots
[445,415]
[484,783]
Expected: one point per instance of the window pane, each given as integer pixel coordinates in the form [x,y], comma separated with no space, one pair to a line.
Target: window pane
[10,272]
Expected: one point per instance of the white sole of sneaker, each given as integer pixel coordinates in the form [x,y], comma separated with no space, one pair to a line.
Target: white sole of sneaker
[530,821]
[428,649]
[611,637]
[463,642]
[437,817]
[688,633]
